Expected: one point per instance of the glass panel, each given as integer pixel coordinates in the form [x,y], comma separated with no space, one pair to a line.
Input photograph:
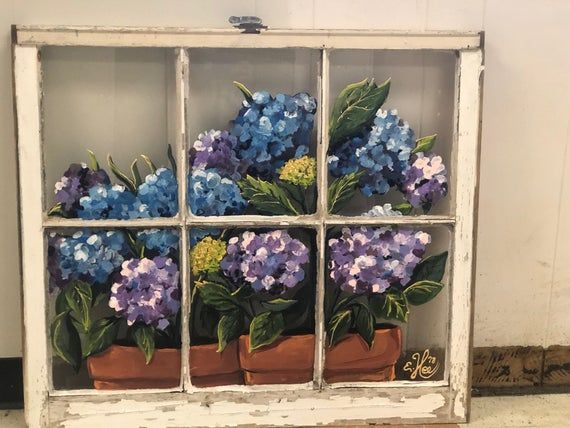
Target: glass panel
[386,299]
[114,310]
[382,150]
[252,314]
[116,103]
[252,131]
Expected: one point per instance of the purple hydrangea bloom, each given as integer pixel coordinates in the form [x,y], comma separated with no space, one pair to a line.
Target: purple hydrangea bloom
[371,260]
[270,262]
[75,184]
[87,256]
[271,130]
[147,291]
[216,149]
[425,182]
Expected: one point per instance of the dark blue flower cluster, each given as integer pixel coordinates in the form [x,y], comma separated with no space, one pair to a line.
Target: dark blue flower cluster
[162,241]
[87,256]
[271,130]
[383,153]
[156,197]
[210,194]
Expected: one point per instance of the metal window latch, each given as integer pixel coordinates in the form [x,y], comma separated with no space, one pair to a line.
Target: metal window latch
[248,24]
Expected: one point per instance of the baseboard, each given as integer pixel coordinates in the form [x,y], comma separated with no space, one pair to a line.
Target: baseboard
[507,370]
[11,385]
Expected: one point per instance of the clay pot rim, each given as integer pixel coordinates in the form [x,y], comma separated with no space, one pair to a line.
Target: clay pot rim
[280,339]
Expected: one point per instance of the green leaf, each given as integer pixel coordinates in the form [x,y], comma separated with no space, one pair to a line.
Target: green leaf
[278,305]
[243,292]
[355,108]
[268,198]
[61,303]
[248,95]
[144,338]
[171,158]
[137,179]
[216,295]
[65,340]
[341,190]
[422,292]
[57,209]
[124,178]
[93,163]
[265,329]
[101,335]
[150,163]
[78,298]
[229,328]
[395,306]
[425,144]
[405,208]
[431,268]
[364,324]
[339,326]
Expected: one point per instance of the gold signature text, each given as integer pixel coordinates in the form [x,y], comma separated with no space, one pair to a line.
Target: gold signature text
[422,365]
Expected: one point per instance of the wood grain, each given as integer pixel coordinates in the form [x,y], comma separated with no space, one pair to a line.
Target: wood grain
[556,366]
[507,366]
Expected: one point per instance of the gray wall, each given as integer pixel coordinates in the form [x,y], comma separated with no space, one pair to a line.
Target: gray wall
[523,269]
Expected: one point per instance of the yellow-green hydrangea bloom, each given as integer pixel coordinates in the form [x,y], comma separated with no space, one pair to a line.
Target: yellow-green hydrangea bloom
[300,172]
[207,255]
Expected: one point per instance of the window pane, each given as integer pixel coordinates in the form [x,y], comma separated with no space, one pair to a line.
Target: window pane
[252,131]
[386,298]
[114,102]
[381,146]
[252,314]
[114,310]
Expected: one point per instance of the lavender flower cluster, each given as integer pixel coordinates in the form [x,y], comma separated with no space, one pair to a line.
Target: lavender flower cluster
[87,256]
[271,262]
[371,260]
[216,150]
[147,291]
[88,194]
[271,130]
[75,184]
[385,154]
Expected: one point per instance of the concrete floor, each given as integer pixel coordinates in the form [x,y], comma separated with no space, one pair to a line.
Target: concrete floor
[546,411]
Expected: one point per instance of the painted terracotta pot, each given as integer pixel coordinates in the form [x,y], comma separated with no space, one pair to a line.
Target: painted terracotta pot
[350,360]
[211,368]
[289,360]
[124,367]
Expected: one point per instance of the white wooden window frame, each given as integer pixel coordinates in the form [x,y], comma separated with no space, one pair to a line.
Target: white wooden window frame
[311,404]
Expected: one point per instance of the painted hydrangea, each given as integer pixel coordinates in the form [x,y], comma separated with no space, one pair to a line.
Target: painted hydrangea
[271,130]
[111,201]
[87,256]
[206,255]
[300,172]
[147,291]
[197,234]
[425,182]
[382,211]
[75,184]
[159,193]
[210,194]
[371,260]
[271,262]
[162,241]
[383,154]
[216,149]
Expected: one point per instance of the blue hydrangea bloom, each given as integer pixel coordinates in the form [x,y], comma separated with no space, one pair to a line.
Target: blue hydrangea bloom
[162,241]
[87,256]
[383,153]
[114,202]
[196,235]
[209,194]
[271,130]
[159,193]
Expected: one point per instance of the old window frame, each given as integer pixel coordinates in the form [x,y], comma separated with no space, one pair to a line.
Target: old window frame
[312,404]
